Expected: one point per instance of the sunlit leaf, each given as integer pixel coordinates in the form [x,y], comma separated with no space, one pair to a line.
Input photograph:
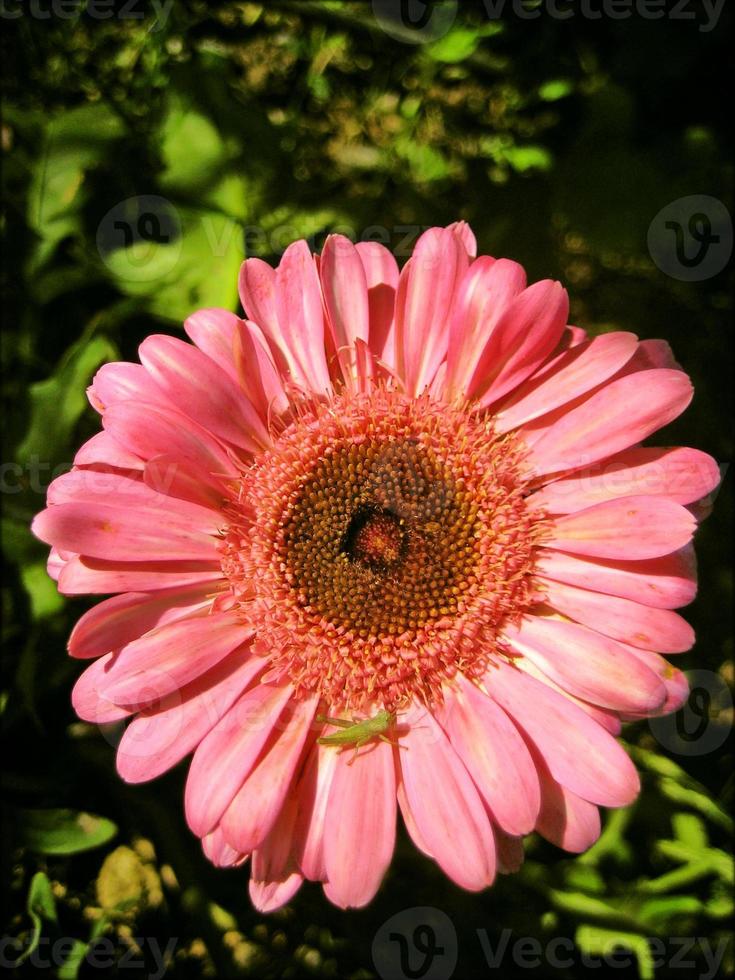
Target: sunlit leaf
[179,276]
[42,592]
[600,942]
[192,148]
[556,89]
[63,831]
[57,403]
[40,905]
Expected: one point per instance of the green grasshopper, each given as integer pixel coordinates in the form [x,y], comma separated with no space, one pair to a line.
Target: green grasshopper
[358,733]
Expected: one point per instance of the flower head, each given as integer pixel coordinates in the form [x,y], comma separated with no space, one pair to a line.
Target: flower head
[411,509]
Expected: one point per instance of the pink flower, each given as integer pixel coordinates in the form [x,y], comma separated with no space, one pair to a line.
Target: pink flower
[421,493]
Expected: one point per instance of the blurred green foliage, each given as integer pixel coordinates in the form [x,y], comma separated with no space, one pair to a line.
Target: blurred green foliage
[239,127]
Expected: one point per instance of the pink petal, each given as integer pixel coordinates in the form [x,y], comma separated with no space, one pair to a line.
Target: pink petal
[381,276]
[628,528]
[257,372]
[673,679]
[579,753]
[424,305]
[227,755]
[575,373]
[200,389]
[82,576]
[107,531]
[488,743]
[115,622]
[444,805]
[150,431]
[525,335]
[586,663]
[257,284]
[102,448]
[566,819]
[55,563]
[466,236]
[620,414]
[486,290]
[170,656]
[100,485]
[314,819]
[219,851]
[183,479]
[622,619]
[360,837]
[213,331]
[411,826]
[88,696]
[345,290]
[682,475]
[652,354]
[664,583]
[161,735]
[605,717]
[301,318]
[124,381]
[249,818]
[267,896]
[274,878]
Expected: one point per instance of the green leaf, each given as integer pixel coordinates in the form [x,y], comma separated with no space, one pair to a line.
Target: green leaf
[555,89]
[427,164]
[63,831]
[285,224]
[177,277]
[42,591]
[69,969]
[75,141]
[455,46]
[587,907]
[690,829]
[662,910]
[601,942]
[697,799]
[462,42]
[718,861]
[40,905]
[57,403]
[525,158]
[192,149]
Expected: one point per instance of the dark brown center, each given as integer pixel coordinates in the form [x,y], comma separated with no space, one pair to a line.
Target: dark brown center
[375,538]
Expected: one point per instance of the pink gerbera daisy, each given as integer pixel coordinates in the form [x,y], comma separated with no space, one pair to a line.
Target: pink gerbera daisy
[418,498]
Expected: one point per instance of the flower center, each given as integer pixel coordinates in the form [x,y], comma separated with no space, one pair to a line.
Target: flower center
[379,538]
[375,539]
[380,547]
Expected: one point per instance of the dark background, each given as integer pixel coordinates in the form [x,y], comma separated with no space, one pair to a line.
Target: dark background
[230,127]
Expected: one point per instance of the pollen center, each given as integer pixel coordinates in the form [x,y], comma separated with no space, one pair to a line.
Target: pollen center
[375,539]
[381,546]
